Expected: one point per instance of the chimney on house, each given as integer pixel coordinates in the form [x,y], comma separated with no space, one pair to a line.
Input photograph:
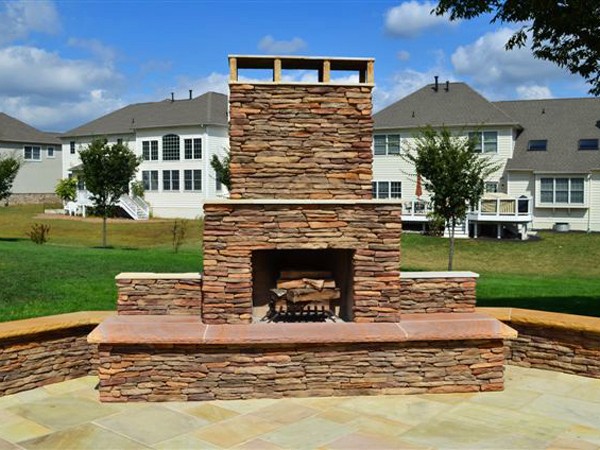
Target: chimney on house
[190,94]
[436,84]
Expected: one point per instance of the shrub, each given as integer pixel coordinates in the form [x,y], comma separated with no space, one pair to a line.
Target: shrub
[178,232]
[137,189]
[66,189]
[39,233]
[436,225]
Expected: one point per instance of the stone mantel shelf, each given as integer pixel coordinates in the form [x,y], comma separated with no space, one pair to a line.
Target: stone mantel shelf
[189,330]
[308,201]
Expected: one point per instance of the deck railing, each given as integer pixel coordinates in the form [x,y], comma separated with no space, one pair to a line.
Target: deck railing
[503,207]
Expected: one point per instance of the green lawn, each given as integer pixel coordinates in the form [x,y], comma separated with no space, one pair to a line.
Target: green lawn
[559,272]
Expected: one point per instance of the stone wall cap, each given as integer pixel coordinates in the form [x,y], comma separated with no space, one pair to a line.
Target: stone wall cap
[38,325]
[308,201]
[304,83]
[447,274]
[189,330]
[158,276]
[545,319]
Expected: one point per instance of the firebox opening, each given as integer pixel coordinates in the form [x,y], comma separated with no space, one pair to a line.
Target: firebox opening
[312,279]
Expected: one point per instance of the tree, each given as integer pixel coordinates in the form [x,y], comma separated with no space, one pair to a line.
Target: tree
[452,172]
[563,32]
[9,167]
[222,171]
[107,171]
[66,189]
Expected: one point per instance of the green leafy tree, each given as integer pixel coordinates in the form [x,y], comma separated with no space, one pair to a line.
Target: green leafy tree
[66,189]
[563,32]
[107,171]
[9,167]
[222,171]
[452,173]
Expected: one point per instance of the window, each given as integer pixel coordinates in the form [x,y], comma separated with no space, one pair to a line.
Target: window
[561,190]
[170,180]
[192,180]
[218,185]
[32,153]
[50,152]
[150,150]
[170,144]
[387,189]
[72,147]
[150,180]
[193,148]
[386,144]
[539,145]
[484,141]
[490,186]
[119,141]
[588,144]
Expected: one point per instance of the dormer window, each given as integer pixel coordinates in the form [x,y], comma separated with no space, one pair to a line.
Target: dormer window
[588,144]
[537,145]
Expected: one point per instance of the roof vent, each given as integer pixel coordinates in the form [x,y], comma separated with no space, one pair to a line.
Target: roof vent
[190,94]
[447,88]
[436,84]
[172,96]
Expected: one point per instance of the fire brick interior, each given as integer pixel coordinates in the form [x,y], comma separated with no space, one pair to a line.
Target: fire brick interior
[268,264]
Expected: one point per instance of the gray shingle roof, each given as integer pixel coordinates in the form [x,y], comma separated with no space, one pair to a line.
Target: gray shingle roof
[562,122]
[13,130]
[207,109]
[458,106]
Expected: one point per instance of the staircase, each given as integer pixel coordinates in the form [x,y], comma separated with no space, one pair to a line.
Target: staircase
[136,207]
[461,231]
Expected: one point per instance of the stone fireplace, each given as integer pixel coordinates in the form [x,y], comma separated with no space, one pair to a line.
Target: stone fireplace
[301,183]
[299,240]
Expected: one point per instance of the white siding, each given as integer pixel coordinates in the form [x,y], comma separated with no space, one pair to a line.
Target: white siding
[520,183]
[35,177]
[594,210]
[396,168]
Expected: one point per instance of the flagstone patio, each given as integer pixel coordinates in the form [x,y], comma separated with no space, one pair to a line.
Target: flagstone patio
[538,409]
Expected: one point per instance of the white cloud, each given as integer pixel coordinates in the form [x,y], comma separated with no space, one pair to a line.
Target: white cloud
[533,92]
[19,18]
[403,55]
[492,67]
[411,18]
[215,82]
[269,45]
[406,82]
[33,71]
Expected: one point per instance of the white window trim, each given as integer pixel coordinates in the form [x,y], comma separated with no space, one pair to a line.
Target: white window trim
[554,204]
[48,152]
[389,186]
[387,153]
[32,159]
[481,137]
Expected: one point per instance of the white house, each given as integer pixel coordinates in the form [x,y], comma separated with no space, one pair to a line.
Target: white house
[546,151]
[41,156]
[175,138]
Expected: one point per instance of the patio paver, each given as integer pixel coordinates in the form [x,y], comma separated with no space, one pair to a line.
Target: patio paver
[538,409]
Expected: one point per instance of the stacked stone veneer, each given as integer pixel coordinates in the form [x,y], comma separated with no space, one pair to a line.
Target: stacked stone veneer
[438,292]
[154,293]
[552,341]
[233,231]
[37,352]
[150,373]
[300,141]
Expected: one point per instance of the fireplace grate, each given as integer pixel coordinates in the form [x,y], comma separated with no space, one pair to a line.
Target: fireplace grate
[306,314]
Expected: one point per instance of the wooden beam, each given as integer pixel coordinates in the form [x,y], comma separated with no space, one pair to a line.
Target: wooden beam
[233,72]
[370,72]
[326,71]
[277,70]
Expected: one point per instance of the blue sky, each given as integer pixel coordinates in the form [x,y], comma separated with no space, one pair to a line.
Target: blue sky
[63,63]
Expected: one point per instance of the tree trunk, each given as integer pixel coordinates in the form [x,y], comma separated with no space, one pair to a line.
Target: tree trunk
[104,230]
[451,252]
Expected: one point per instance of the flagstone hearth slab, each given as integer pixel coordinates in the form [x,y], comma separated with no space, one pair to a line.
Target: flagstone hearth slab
[156,330]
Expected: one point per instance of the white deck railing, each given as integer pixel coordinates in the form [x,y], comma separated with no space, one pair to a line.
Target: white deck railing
[503,208]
